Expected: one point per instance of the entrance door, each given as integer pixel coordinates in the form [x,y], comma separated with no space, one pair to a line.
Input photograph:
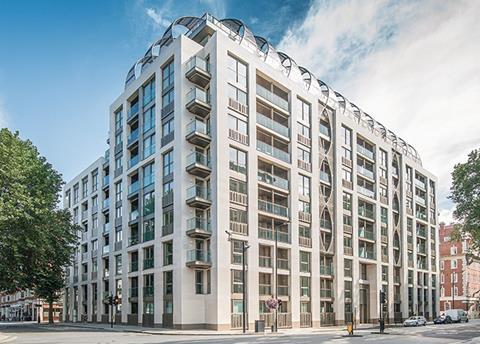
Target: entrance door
[364,302]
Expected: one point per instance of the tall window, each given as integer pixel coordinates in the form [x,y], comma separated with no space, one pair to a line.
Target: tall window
[149,119]
[148,174]
[94,181]
[238,160]
[305,112]
[237,124]
[168,163]
[85,187]
[118,191]
[118,120]
[167,127]
[237,94]
[118,162]
[149,92]
[148,146]
[304,186]
[148,203]
[75,193]
[168,93]
[303,155]
[237,72]
[346,136]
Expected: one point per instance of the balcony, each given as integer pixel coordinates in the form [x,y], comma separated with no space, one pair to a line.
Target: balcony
[366,234]
[198,71]
[421,201]
[132,113]
[106,182]
[365,152]
[272,208]
[198,259]
[273,180]
[421,232]
[273,125]
[273,151]
[136,158]
[365,253]
[198,102]
[420,184]
[148,235]
[148,263]
[366,192]
[304,241]
[198,197]
[272,98]
[106,228]
[365,172]
[133,188]
[305,217]
[198,134]
[133,137]
[269,234]
[198,165]
[198,227]
[326,270]
[106,204]
[367,213]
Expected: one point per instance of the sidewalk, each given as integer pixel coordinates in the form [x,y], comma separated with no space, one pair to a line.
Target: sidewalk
[173,332]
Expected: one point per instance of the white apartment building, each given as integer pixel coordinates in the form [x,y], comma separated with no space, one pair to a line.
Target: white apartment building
[217,132]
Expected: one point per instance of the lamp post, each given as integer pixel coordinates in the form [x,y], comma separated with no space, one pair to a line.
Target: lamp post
[245,247]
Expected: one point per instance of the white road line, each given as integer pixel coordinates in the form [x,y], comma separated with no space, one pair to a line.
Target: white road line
[7,339]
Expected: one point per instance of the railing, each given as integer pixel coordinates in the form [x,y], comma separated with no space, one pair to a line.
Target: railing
[199,63]
[348,250]
[273,125]
[325,177]
[366,234]
[366,192]
[198,223]
[272,97]
[237,136]
[304,241]
[327,293]
[273,180]
[365,152]
[197,158]
[133,110]
[239,227]
[132,136]
[327,319]
[272,208]
[305,319]
[326,270]
[148,235]
[148,263]
[420,184]
[135,159]
[197,94]
[365,172]
[364,253]
[134,187]
[198,255]
[362,211]
[197,126]
[269,234]
[134,239]
[198,191]
[238,197]
[273,151]
[284,320]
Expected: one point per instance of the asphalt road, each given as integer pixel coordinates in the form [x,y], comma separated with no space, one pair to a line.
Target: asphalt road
[32,334]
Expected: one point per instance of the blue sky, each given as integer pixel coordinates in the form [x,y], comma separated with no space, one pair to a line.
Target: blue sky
[409,64]
[63,62]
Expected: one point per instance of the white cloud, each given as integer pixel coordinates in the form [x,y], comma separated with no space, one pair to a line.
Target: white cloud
[3,114]
[446,215]
[216,7]
[158,16]
[411,65]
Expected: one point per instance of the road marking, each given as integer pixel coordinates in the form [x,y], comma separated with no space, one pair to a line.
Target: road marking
[7,339]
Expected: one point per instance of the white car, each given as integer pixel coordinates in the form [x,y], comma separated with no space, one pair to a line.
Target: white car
[415,321]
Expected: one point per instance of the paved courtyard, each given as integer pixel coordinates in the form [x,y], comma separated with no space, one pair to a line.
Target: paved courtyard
[43,334]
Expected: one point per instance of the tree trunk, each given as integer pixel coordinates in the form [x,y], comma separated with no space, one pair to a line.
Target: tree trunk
[50,312]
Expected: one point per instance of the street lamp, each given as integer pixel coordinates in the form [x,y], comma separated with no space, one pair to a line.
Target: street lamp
[245,247]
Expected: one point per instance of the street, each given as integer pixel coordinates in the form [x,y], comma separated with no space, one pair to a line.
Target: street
[32,333]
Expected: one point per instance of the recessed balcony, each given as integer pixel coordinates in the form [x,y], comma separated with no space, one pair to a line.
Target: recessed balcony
[198,197]
[132,113]
[197,133]
[198,259]
[272,208]
[268,178]
[198,102]
[198,227]
[198,165]
[198,71]
[133,189]
[132,138]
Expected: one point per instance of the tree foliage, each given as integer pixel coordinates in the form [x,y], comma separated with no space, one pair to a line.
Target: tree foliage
[465,193]
[36,238]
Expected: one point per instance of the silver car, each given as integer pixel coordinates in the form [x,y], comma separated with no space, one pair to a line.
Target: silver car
[415,321]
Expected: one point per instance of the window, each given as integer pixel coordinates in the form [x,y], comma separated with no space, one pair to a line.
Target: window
[305,112]
[118,120]
[118,264]
[167,127]
[303,155]
[453,250]
[237,94]
[346,153]
[347,137]
[442,278]
[304,186]
[237,281]
[168,98]
[149,92]
[237,72]
[454,263]
[347,267]
[304,261]
[118,192]
[149,119]
[118,212]
[238,160]
[118,139]
[148,203]
[85,187]
[237,252]
[94,181]
[347,201]
[118,162]
[304,207]
[384,273]
[383,158]
[238,215]
[148,146]
[237,124]
[167,187]
[347,175]
[75,193]
[168,75]
[167,253]
[148,175]
[442,265]
[238,186]
[168,163]
[198,282]
[168,280]
[304,286]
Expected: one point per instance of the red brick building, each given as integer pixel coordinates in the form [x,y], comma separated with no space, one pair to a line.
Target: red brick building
[459,281]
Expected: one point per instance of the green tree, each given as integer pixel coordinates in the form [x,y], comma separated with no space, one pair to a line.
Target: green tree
[36,238]
[465,193]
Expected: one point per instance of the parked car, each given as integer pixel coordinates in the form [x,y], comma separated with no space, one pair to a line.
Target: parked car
[415,321]
[443,319]
[457,315]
